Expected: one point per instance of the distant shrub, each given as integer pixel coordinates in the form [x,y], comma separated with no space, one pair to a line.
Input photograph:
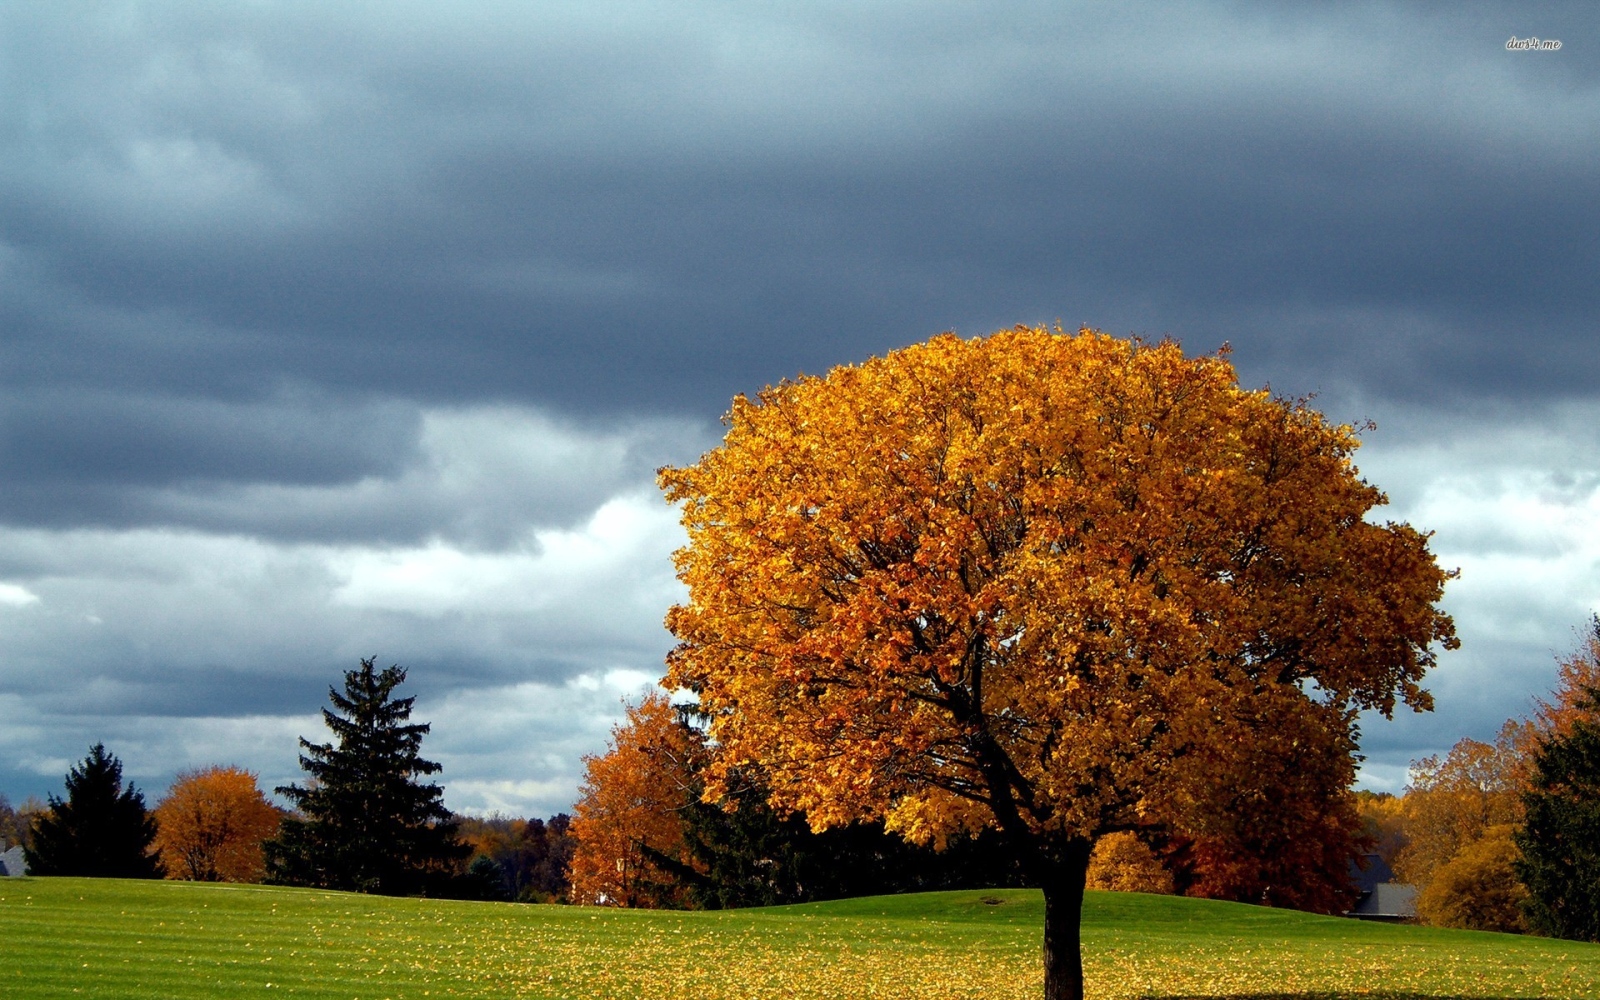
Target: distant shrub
[1123,863]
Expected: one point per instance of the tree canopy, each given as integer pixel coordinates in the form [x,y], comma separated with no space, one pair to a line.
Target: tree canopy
[366,823]
[101,829]
[1061,584]
[213,822]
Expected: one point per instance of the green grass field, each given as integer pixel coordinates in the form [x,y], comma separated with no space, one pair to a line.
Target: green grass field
[108,938]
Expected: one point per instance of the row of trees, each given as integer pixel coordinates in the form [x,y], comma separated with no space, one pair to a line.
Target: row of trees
[363,822]
[209,827]
[646,837]
[1506,835]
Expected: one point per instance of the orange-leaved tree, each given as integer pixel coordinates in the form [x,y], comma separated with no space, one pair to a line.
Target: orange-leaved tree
[1060,584]
[1575,677]
[211,825]
[1121,862]
[628,820]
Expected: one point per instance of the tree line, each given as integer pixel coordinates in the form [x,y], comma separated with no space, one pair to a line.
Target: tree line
[365,820]
[1496,836]
[1501,836]
[1505,835]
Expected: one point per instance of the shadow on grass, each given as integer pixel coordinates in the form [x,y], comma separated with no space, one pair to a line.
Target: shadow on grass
[1374,995]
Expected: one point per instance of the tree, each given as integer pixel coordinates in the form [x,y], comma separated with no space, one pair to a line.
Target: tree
[1064,585]
[1477,889]
[628,817]
[1288,835]
[213,822]
[10,827]
[1121,862]
[1560,841]
[550,846]
[1576,677]
[1383,823]
[366,824]
[101,830]
[1454,801]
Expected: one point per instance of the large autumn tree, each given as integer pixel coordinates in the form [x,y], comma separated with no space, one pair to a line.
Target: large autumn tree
[1061,584]
[212,823]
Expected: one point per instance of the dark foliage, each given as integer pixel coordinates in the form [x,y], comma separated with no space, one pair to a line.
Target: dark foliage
[755,858]
[484,880]
[365,823]
[1560,840]
[544,859]
[533,855]
[101,830]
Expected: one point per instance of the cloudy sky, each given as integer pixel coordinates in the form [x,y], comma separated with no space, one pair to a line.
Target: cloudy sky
[338,330]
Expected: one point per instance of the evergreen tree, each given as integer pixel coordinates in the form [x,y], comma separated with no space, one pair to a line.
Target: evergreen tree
[101,830]
[1560,841]
[366,824]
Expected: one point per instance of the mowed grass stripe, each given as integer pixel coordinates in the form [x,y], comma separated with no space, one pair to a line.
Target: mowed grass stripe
[109,938]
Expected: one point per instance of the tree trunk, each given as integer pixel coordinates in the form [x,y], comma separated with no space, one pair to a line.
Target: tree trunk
[1063,917]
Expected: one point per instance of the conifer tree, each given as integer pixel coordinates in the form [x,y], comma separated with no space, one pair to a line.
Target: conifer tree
[100,830]
[1560,841]
[366,824]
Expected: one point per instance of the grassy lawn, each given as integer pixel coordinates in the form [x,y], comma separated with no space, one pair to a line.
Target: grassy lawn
[108,938]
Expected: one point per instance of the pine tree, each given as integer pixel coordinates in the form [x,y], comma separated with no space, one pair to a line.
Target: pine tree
[366,824]
[101,830]
[1560,840]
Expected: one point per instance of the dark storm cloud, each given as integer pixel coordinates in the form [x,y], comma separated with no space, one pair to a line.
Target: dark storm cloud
[656,208]
[94,458]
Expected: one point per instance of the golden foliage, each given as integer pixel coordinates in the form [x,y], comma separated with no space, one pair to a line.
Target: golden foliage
[1121,862]
[629,812]
[1064,584]
[1477,888]
[493,836]
[1576,674]
[1453,801]
[211,825]
[1081,580]
[1383,823]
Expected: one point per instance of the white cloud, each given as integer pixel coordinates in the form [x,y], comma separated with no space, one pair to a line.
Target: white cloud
[17,597]
[629,536]
[181,647]
[1514,502]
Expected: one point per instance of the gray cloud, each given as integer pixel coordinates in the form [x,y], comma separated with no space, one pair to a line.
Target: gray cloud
[524,567]
[333,330]
[647,209]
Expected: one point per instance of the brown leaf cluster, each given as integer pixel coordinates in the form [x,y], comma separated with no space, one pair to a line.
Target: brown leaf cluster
[1121,862]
